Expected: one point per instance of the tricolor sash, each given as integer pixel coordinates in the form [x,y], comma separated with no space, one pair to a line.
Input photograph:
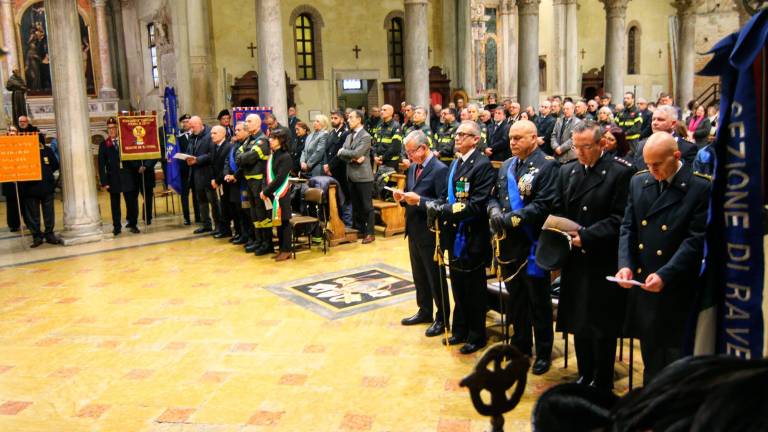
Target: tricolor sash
[279,193]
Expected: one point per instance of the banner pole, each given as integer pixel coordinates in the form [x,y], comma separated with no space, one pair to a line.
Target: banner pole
[18,209]
[144,194]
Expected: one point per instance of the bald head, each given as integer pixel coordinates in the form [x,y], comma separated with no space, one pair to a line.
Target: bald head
[196,124]
[253,123]
[522,138]
[218,133]
[662,155]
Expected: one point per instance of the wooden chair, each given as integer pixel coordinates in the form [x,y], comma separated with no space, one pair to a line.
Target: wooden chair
[164,192]
[313,197]
[392,214]
[338,233]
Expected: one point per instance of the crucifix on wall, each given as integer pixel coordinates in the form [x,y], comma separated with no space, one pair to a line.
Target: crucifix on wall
[582,53]
[251,47]
[429,52]
[357,51]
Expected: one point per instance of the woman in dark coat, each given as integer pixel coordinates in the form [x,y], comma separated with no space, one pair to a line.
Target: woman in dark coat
[616,141]
[278,189]
[699,127]
[301,131]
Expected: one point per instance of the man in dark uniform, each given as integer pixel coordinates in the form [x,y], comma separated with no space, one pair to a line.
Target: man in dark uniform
[444,138]
[419,123]
[630,120]
[592,192]
[12,209]
[186,181]
[498,136]
[201,173]
[662,244]
[545,124]
[145,179]
[522,198]
[40,193]
[221,149]
[253,161]
[225,121]
[665,119]
[465,228]
[118,177]
[426,180]
[388,140]
[232,196]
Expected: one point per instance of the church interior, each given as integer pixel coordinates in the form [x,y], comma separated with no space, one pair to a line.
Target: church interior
[166,330]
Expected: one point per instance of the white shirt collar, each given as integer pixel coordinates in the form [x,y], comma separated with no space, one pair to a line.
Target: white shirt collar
[466,156]
[671,178]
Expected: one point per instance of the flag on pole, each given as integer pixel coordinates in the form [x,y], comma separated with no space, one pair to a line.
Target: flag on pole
[171,130]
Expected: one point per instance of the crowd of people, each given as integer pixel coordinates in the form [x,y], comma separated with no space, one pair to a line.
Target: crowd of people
[633,177]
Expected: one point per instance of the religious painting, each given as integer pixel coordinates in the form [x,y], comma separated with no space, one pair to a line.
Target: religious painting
[33,31]
[341,294]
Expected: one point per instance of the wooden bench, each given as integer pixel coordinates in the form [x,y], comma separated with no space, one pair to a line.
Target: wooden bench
[338,233]
[392,214]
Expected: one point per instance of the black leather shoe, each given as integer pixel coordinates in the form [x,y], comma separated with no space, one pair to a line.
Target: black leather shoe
[541,366]
[469,348]
[240,241]
[202,230]
[234,238]
[37,241]
[454,340]
[214,232]
[133,229]
[219,235]
[583,380]
[187,222]
[416,319]
[116,232]
[52,239]
[15,229]
[436,329]
[252,247]
[264,250]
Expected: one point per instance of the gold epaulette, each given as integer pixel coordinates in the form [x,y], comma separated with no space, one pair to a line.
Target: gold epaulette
[704,176]
[548,157]
[641,171]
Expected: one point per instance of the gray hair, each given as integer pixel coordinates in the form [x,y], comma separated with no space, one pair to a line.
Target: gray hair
[669,110]
[418,136]
[589,126]
[473,126]
[606,109]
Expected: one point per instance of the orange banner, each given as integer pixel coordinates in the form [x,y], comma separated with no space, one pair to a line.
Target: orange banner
[138,137]
[20,158]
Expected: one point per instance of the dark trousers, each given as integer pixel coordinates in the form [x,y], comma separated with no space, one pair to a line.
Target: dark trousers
[284,234]
[12,206]
[246,224]
[595,356]
[530,305]
[186,188]
[362,206]
[469,293]
[207,199]
[656,356]
[131,209]
[32,206]
[230,214]
[427,276]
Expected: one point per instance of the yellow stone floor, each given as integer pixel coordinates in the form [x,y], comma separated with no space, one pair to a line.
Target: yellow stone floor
[180,335]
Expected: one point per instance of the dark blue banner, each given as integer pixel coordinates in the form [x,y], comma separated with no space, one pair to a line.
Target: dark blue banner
[735,259]
[171,130]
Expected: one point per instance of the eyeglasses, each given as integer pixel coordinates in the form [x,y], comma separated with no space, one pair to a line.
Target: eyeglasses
[587,147]
[462,135]
[410,152]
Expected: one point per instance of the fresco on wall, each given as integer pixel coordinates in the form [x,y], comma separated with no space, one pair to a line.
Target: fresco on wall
[35,56]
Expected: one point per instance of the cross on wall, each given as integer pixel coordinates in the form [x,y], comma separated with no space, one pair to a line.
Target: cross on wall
[251,47]
[357,50]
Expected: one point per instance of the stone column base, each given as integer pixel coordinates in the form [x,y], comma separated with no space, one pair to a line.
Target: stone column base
[88,233]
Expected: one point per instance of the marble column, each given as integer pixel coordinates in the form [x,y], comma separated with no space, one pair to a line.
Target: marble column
[272,86]
[464,44]
[528,55]
[82,221]
[107,89]
[8,38]
[572,65]
[558,60]
[417,54]
[449,42]
[615,58]
[509,38]
[686,52]
[200,61]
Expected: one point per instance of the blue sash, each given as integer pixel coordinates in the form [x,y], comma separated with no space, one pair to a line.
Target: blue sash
[233,168]
[460,242]
[516,203]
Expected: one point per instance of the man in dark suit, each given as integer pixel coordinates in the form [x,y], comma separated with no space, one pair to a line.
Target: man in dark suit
[118,177]
[498,136]
[186,182]
[545,124]
[662,244]
[335,167]
[222,148]
[521,200]
[40,193]
[235,195]
[356,152]
[592,191]
[426,180]
[201,173]
[466,236]
[665,119]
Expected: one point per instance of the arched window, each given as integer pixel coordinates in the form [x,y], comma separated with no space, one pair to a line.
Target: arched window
[633,50]
[305,47]
[491,69]
[395,47]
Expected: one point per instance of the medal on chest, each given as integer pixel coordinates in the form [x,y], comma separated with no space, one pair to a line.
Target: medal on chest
[462,195]
[525,183]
